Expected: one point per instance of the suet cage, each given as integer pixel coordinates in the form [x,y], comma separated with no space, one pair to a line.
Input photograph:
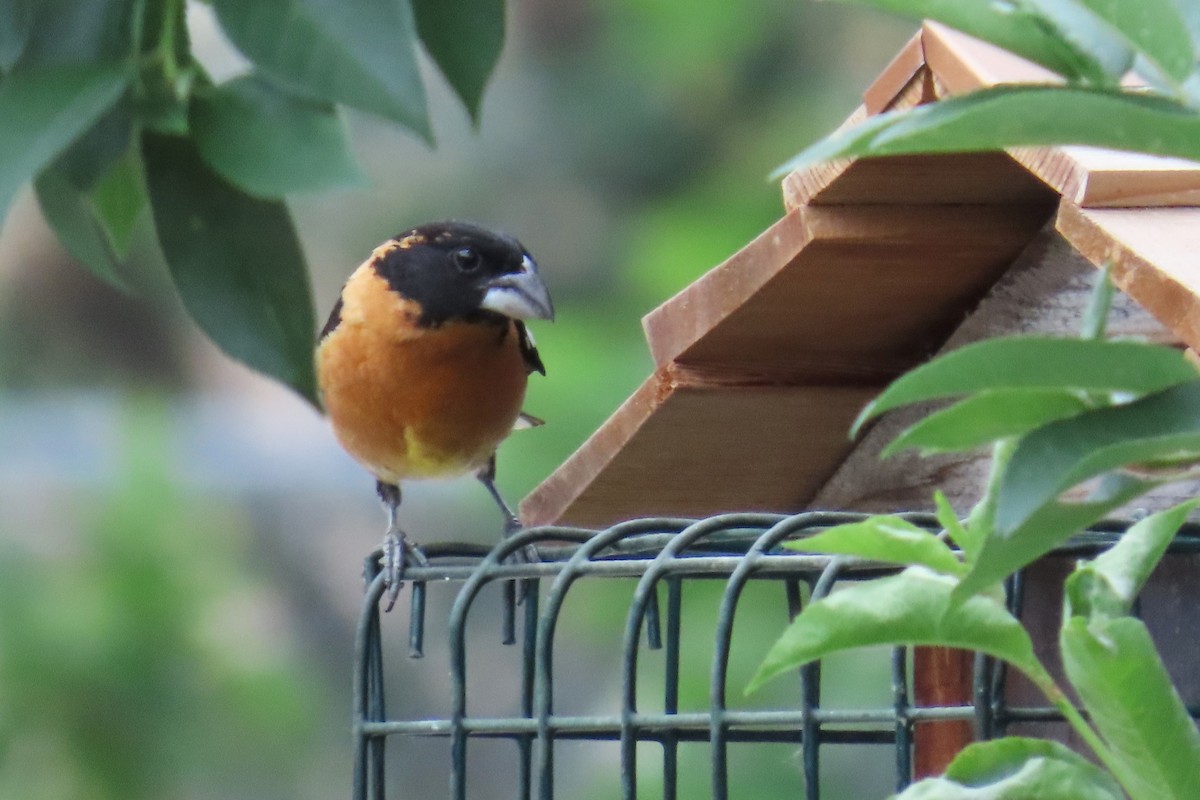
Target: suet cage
[660,562]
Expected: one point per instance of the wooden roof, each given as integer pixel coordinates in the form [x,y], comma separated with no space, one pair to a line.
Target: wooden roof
[763,362]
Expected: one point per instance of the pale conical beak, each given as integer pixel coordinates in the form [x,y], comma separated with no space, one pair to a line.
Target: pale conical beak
[519,295]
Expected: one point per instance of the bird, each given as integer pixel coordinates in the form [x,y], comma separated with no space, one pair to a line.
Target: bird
[423,363]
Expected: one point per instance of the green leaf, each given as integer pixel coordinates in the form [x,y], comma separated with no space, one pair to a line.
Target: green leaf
[236,262]
[1189,12]
[166,81]
[1035,362]
[361,53]
[1147,122]
[1155,28]
[989,761]
[1118,675]
[1095,316]
[118,200]
[1020,28]
[1127,564]
[164,28]
[90,157]
[70,214]
[16,20]
[70,32]
[1109,583]
[163,101]
[1160,427]
[1104,55]
[1013,115]
[270,143]
[883,538]
[1005,552]
[960,534]
[912,608]
[1017,768]
[986,417]
[465,38]
[53,106]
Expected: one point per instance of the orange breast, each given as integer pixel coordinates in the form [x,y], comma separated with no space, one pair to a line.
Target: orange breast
[408,402]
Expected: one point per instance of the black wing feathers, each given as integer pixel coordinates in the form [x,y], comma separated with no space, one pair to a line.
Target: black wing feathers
[528,351]
[335,317]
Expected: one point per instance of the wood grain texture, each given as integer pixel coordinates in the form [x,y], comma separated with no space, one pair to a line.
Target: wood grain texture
[1045,292]
[852,293]
[1134,179]
[693,312]
[946,62]
[765,360]
[941,677]
[963,63]
[904,83]
[549,501]
[1091,177]
[935,179]
[801,185]
[896,77]
[1153,254]
[824,182]
[691,445]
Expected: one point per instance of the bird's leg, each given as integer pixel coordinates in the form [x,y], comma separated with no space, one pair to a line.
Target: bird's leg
[397,550]
[528,553]
[487,476]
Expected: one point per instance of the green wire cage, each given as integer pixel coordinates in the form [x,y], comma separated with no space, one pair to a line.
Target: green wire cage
[659,562]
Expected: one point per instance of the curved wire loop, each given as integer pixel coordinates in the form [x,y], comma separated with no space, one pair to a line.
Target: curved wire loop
[735,548]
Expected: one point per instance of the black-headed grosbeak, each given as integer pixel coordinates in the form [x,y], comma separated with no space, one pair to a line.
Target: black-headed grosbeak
[423,363]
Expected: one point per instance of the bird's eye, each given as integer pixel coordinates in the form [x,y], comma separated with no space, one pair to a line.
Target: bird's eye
[467,259]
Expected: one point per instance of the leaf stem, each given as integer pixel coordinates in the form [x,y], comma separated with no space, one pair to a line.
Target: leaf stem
[1095,318]
[1059,700]
[166,45]
[137,25]
[982,519]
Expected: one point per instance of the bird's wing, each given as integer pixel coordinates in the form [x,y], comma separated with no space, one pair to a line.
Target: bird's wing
[335,317]
[528,349]
[525,421]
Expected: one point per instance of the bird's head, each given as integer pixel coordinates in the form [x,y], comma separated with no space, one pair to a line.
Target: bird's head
[457,270]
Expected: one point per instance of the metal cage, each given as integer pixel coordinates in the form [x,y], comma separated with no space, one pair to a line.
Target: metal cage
[736,549]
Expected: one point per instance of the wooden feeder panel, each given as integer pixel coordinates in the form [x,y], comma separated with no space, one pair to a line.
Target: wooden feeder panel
[762,363]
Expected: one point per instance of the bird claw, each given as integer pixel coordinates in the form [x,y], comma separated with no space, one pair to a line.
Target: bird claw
[527,554]
[398,553]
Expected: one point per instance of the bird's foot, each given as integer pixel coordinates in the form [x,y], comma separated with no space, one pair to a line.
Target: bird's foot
[398,553]
[527,554]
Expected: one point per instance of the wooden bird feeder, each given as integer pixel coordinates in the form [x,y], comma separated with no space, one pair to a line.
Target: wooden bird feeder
[877,264]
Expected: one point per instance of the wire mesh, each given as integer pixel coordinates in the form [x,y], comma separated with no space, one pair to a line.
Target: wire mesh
[663,556]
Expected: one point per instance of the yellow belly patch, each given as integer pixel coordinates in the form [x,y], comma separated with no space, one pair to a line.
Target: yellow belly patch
[408,402]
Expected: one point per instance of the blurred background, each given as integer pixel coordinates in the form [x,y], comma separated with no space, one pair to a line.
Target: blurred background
[181,540]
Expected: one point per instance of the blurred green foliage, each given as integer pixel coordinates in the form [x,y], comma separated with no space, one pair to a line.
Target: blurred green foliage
[128,667]
[107,108]
[626,143]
